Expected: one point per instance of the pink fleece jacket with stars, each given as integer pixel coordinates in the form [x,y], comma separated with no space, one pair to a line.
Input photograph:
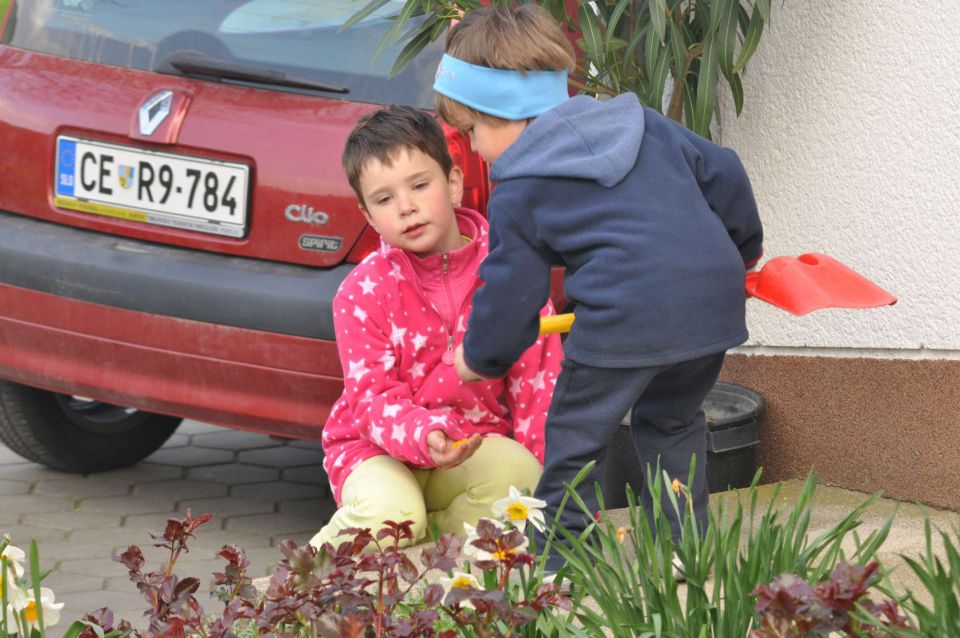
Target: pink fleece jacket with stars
[398,319]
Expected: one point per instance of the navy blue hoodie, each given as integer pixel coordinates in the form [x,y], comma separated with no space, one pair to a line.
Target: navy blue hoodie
[653,223]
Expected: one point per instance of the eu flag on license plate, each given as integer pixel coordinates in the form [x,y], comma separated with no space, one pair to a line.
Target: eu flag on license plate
[66,166]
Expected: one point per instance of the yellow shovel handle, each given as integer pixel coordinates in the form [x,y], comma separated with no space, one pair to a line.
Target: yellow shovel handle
[556,323]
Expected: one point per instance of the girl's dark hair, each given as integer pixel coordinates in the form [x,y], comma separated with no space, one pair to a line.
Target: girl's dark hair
[385,133]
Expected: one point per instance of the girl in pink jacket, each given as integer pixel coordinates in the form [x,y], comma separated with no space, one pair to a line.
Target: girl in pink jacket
[408,440]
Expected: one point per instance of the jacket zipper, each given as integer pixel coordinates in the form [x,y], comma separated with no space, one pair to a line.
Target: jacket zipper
[448,355]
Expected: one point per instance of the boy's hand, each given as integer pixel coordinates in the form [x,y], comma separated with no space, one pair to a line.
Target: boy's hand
[446,453]
[466,374]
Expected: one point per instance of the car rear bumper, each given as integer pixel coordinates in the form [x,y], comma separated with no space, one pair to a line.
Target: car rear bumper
[169,281]
[220,339]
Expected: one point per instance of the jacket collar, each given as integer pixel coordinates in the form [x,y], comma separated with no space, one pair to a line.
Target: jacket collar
[471,224]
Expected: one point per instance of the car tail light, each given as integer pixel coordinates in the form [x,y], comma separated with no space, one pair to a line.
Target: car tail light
[368,242]
[476,182]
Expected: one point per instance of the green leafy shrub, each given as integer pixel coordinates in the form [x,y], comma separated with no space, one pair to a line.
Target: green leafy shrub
[624,581]
[940,580]
[628,45]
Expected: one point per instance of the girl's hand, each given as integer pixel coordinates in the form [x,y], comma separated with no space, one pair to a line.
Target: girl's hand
[466,374]
[446,453]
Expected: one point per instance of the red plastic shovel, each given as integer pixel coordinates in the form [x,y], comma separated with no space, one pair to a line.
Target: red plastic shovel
[796,284]
[812,282]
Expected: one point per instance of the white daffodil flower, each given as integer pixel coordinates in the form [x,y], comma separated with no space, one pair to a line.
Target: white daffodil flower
[518,509]
[9,588]
[472,551]
[460,580]
[15,558]
[29,611]
[475,553]
[468,547]
[502,554]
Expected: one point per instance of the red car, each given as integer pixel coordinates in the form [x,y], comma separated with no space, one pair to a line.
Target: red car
[174,220]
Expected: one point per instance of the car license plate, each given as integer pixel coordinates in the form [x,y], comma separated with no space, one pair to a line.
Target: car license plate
[185,192]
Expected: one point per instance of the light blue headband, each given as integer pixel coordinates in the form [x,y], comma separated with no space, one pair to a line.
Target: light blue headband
[510,95]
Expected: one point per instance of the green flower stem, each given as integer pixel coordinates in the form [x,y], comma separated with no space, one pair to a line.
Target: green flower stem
[35,578]
[4,630]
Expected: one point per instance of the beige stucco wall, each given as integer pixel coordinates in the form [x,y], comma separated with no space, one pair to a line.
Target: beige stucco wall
[851,135]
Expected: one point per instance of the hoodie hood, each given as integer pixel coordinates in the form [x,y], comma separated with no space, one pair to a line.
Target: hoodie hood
[578,139]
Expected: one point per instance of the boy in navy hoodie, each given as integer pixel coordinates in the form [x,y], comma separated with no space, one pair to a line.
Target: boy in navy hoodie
[654,224]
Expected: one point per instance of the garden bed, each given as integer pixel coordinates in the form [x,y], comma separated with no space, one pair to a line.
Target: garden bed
[780,560]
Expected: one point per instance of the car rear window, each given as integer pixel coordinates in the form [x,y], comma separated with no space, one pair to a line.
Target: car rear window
[300,38]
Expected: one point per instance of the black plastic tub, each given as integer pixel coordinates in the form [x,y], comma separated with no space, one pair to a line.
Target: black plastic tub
[733,433]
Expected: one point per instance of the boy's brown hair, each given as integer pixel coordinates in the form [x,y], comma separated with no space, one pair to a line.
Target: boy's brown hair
[525,38]
[383,134]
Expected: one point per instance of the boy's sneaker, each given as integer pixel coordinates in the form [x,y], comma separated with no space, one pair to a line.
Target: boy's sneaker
[551,578]
[678,574]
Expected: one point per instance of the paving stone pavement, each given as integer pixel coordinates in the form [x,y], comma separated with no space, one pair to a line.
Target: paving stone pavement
[260,491]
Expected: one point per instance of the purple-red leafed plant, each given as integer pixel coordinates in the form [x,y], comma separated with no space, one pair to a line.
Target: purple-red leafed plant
[359,588]
[103,618]
[173,610]
[790,608]
[355,588]
[348,590]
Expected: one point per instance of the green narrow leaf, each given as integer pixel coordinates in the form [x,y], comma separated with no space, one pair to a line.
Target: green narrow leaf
[408,11]
[651,53]
[743,18]
[364,12]
[4,630]
[727,36]
[658,18]
[74,629]
[868,550]
[412,49]
[556,9]
[688,104]
[921,571]
[764,7]
[751,40]
[35,576]
[629,56]
[699,21]
[706,99]
[659,79]
[439,28]
[615,44]
[678,44]
[97,629]
[614,21]
[429,24]
[717,7]
[554,525]
[593,44]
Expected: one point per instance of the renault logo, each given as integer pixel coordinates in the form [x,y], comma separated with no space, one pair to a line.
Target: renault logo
[154,111]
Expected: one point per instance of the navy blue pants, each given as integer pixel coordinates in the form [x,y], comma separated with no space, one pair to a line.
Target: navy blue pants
[667,424]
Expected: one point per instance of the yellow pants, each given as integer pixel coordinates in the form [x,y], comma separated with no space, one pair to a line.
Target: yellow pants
[384,489]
